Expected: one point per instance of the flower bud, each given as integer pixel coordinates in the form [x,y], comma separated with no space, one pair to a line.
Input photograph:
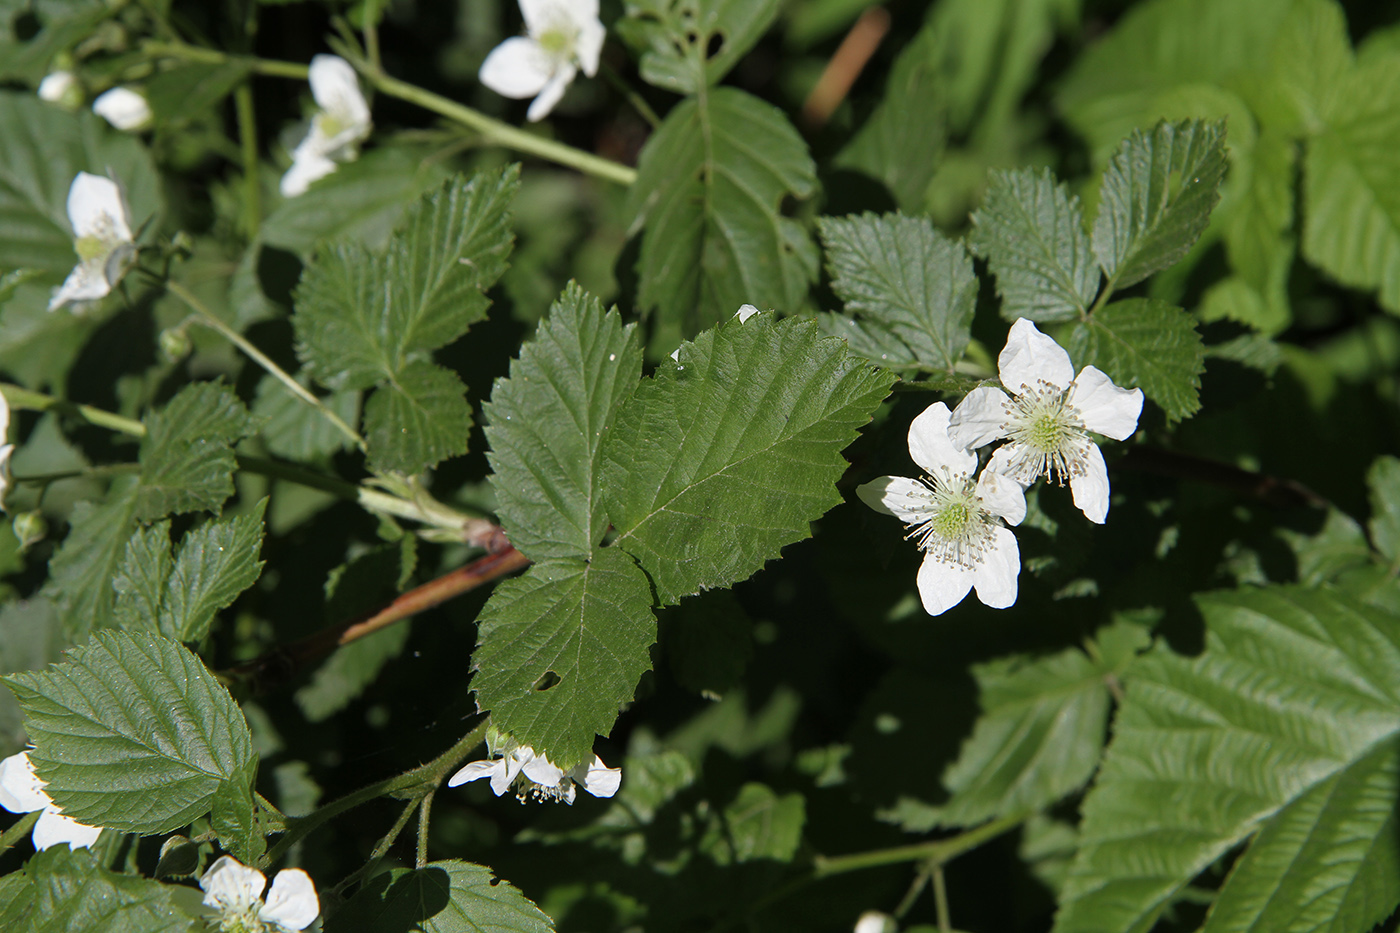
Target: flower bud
[30,528]
[174,344]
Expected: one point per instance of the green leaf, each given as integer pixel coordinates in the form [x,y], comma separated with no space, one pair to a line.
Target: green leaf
[547,422]
[1285,729]
[560,650]
[1156,198]
[42,149]
[905,279]
[85,564]
[187,458]
[1030,231]
[1383,482]
[132,732]
[30,638]
[363,315]
[902,140]
[294,430]
[1039,737]
[140,581]
[418,419]
[1351,186]
[1259,236]
[686,45]
[709,186]
[757,824]
[1148,343]
[721,459]
[233,815]
[441,897]
[74,894]
[180,94]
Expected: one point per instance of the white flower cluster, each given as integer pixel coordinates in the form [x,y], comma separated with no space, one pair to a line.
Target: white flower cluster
[341,123]
[536,776]
[561,37]
[1044,416]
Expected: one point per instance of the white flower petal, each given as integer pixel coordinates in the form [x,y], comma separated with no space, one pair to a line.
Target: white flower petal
[942,584]
[1105,408]
[96,208]
[231,885]
[21,791]
[543,15]
[1030,357]
[745,312]
[600,780]
[4,418]
[906,499]
[57,85]
[930,446]
[337,90]
[123,108]
[54,828]
[589,49]
[1090,488]
[306,167]
[476,770]
[1004,463]
[7,479]
[291,903]
[995,575]
[1002,495]
[979,419]
[551,93]
[87,282]
[518,67]
[873,921]
[542,771]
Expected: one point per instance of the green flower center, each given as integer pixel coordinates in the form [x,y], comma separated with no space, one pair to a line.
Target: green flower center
[559,43]
[90,248]
[952,525]
[1045,431]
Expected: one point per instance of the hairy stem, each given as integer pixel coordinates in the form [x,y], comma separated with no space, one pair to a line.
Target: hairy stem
[19,397]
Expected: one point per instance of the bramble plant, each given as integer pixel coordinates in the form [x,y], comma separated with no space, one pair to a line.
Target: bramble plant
[450,452]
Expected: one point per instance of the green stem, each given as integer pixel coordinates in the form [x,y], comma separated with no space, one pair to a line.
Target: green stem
[501,133]
[260,66]
[939,851]
[940,899]
[638,103]
[248,138]
[212,320]
[30,400]
[425,809]
[381,848]
[18,830]
[413,785]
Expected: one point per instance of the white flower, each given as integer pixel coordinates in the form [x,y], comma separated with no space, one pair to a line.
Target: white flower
[562,36]
[21,791]
[62,88]
[6,479]
[103,239]
[956,521]
[236,891]
[873,921]
[338,128]
[1047,417]
[543,780]
[123,108]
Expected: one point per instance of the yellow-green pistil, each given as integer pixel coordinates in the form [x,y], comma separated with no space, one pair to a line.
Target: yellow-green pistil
[952,524]
[1044,430]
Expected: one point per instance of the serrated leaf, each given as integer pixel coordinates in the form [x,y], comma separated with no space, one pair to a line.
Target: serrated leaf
[904,278]
[1296,690]
[1156,198]
[1031,232]
[132,732]
[709,186]
[362,315]
[141,579]
[1351,186]
[441,897]
[547,422]
[1148,343]
[82,569]
[725,457]
[180,94]
[294,430]
[418,419]
[72,893]
[757,824]
[1038,739]
[187,460]
[560,649]
[233,815]
[216,562]
[688,44]
[1383,483]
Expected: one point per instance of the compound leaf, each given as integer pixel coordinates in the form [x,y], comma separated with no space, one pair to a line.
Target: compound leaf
[686,45]
[1149,343]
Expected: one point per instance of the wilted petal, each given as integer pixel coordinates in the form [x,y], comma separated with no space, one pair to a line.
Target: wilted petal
[96,208]
[1105,408]
[55,828]
[942,584]
[231,885]
[1030,357]
[291,903]
[1002,495]
[600,780]
[1090,487]
[979,419]
[906,499]
[123,108]
[930,446]
[995,576]
[551,93]
[518,67]
[21,791]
